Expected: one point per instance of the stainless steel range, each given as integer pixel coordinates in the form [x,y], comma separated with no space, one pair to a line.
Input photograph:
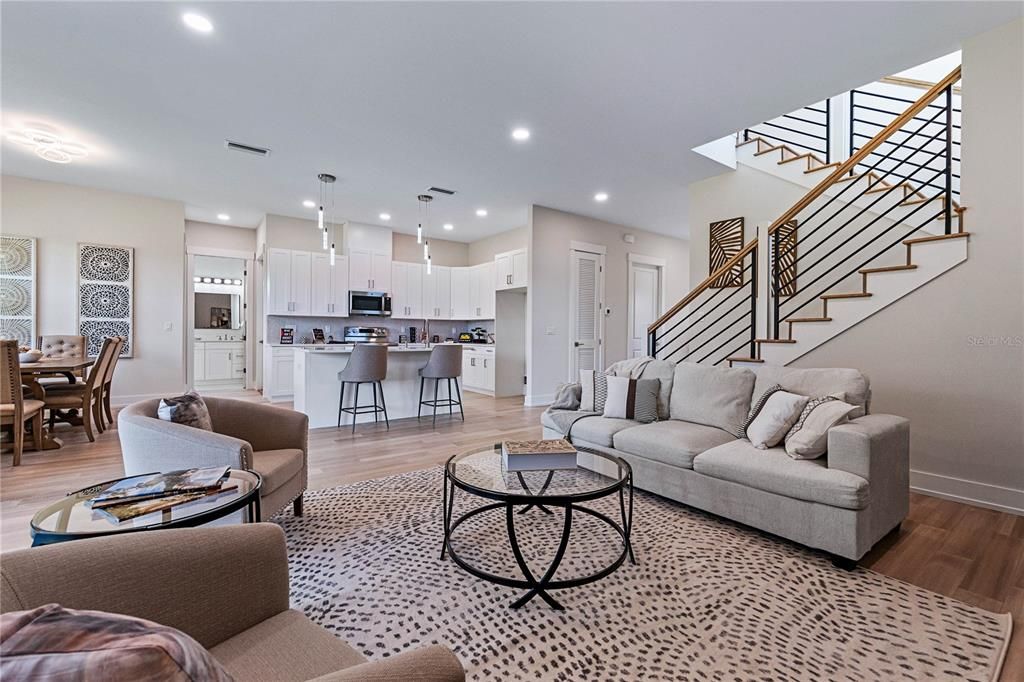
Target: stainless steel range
[366,335]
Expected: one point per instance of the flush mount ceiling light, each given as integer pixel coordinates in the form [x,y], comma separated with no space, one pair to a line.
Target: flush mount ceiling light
[309,203]
[601,196]
[385,216]
[521,134]
[448,226]
[48,144]
[223,216]
[481,213]
[197,22]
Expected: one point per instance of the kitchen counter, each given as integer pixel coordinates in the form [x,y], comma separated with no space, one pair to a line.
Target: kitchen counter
[347,347]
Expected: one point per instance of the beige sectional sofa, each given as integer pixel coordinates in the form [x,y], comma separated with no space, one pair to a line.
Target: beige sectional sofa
[842,503]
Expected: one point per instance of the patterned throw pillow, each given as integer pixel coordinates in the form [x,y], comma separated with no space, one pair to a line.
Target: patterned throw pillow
[777,412]
[188,409]
[756,408]
[808,438]
[594,390]
[51,643]
[635,399]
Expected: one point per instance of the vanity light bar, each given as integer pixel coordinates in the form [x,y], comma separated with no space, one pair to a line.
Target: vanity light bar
[216,280]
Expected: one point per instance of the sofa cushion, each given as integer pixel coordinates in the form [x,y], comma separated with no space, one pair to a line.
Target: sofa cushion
[276,467]
[712,396]
[286,647]
[670,442]
[599,430]
[776,472]
[818,382]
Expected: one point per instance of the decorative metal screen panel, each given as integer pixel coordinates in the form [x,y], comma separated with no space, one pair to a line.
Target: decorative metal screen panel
[106,280]
[726,240]
[786,236]
[18,289]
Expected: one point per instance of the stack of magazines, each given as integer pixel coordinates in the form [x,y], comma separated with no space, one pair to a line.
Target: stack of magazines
[140,495]
[537,455]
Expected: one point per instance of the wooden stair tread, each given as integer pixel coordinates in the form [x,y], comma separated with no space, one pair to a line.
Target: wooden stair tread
[744,360]
[823,167]
[808,156]
[746,142]
[774,148]
[889,268]
[925,200]
[809,319]
[936,238]
[775,340]
[858,294]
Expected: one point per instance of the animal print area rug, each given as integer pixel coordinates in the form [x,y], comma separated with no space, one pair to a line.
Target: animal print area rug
[708,600]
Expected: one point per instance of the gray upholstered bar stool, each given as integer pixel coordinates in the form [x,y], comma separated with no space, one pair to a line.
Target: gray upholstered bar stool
[445,363]
[368,364]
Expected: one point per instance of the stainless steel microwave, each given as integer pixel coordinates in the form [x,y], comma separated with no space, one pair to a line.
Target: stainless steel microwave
[369,303]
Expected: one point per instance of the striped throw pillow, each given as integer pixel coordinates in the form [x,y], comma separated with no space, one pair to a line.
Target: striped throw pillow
[594,385]
[635,399]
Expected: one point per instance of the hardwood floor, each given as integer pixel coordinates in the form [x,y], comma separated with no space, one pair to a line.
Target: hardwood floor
[973,554]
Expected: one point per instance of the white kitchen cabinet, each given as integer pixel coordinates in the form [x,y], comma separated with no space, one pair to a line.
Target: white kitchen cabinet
[329,285]
[461,294]
[478,369]
[279,281]
[437,293]
[520,276]
[369,270]
[482,291]
[510,270]
[302,267]
[407,290]
[199,362]
[278,373]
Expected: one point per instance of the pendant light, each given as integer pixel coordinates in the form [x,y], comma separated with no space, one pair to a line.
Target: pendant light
[424,208]
[325,180]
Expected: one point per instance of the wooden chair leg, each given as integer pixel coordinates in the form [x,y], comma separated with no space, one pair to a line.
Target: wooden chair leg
[106,403]
[37,430]
[87,420]
[53,418]
[19,441]
[97,416]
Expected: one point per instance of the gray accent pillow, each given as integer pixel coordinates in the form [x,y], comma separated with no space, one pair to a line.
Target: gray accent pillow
[635,399]
[188,409]
[808,438]
[567,397]
[712,396]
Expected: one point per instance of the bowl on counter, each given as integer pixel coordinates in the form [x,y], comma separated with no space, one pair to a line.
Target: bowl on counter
[30,356]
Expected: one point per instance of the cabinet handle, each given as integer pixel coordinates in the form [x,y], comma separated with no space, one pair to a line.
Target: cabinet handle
[485,363]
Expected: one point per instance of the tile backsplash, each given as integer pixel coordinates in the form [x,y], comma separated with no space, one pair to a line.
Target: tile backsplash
[335,326]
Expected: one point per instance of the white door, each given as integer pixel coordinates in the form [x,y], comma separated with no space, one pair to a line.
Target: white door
[380,275]
[279,281]
[321,290]
[302,273]
[360,270]
[461,294]
[586,351]
[644,304]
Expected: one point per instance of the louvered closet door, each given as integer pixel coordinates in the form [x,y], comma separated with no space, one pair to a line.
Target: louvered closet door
[586,312]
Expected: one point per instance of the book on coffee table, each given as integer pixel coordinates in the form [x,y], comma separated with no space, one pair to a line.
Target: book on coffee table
[537,455]
[150,486]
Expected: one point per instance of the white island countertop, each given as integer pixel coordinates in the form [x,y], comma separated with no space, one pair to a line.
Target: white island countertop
[398,348]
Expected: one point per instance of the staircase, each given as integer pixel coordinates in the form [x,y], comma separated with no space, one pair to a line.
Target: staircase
[869,231]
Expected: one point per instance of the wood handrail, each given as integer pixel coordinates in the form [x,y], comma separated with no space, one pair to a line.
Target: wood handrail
[728,265]
[819,189]
[910,83]
[862,153]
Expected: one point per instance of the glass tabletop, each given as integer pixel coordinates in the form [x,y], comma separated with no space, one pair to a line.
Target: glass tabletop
[71,516]
[482,470]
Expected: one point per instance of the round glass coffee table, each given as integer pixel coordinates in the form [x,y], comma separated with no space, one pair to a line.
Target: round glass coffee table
[480,473]
[70,518]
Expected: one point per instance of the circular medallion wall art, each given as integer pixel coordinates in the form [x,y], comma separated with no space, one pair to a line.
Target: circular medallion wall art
[105,263]
[108,301]
[15,298]
[17,289]
[105,291]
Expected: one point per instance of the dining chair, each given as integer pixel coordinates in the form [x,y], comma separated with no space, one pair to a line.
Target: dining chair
[108,378]
[82,396]
[60,346]
[15,409]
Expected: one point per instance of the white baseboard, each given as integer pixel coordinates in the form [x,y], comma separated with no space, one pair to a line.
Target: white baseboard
[985,495]
[538,400]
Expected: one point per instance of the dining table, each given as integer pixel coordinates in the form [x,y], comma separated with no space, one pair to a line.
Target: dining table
[68,367]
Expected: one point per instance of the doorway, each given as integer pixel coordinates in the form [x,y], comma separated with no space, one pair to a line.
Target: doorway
[586,306]
[218,322]
[646,299]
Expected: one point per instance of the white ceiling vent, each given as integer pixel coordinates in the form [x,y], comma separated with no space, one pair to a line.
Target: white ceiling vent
[247,148]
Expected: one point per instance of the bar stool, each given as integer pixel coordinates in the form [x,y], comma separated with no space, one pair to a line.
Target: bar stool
[367,365]
[445,363]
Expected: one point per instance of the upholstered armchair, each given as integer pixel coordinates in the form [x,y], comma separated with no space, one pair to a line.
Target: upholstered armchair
[246,435]
[227,587]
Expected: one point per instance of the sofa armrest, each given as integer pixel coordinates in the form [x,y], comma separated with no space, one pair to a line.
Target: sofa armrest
[874,447]
[211,583]
[149,444]
[265,427]
[428,664]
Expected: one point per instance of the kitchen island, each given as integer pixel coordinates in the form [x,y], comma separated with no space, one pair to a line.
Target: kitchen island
[317,387]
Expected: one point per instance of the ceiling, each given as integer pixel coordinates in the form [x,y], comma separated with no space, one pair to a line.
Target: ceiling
[394,97]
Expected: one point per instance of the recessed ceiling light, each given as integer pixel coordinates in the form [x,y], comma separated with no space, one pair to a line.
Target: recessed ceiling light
[197,22]
[309,203]
[481,212]
[520,134]
[385,216]
[223,216]
[601,196]
[448,226]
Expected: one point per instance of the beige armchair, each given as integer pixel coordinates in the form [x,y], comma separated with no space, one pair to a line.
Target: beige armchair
[246,435]
[189,579]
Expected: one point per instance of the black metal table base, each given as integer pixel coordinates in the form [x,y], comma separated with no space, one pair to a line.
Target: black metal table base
[539,586]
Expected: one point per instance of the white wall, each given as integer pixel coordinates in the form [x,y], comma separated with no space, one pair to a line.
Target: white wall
[551,232]
[484,250]
[212,236]
[60,216]
[442,251]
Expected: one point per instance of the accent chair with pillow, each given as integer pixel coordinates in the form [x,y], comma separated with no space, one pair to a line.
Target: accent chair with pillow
[214,602]
[822,471]
[272,441]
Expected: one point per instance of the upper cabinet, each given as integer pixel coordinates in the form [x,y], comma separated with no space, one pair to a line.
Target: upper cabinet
[304,283]
[481,291]
[510,270]
[407,290]
[462,304]
[368,248]
[329,285]
[437,293]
